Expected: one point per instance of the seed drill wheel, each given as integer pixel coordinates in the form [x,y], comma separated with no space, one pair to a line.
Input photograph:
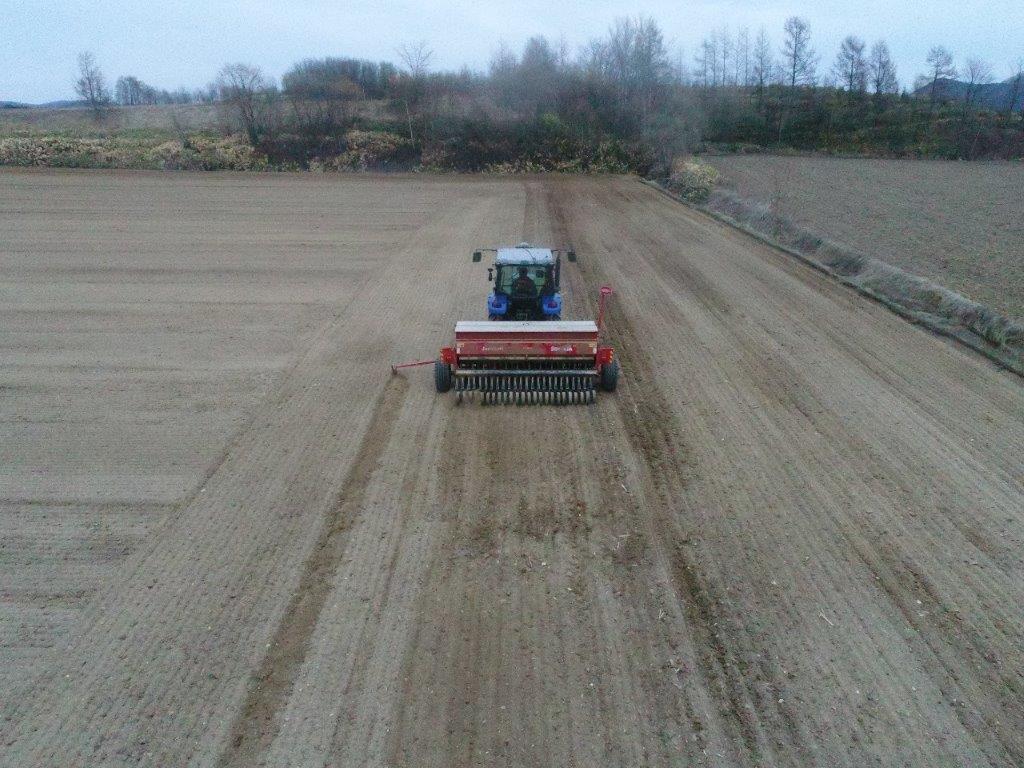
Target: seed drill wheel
[442,376]
[610,376]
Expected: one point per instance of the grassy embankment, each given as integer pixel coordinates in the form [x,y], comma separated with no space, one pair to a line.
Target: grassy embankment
[199,137]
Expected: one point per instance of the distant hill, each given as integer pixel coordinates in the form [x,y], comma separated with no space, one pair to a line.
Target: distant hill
[991,95]
[64,104]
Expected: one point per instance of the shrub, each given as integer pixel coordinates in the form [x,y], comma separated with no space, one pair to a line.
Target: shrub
[451,145]
[373,150]
[199,153]
[691,180]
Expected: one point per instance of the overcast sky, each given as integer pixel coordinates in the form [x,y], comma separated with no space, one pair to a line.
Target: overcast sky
[184,42]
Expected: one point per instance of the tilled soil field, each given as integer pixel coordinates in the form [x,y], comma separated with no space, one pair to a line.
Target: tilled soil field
[958,224]
[229,537]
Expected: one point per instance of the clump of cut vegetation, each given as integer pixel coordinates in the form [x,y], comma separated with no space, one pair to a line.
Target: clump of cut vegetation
[369,151]
[692,180]
[467,146]
[195,152]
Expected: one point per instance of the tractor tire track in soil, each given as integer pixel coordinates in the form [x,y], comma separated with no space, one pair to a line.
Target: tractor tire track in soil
[255,728]
[790,538]
[657,434]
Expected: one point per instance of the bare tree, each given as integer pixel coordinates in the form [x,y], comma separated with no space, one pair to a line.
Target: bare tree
[1016,89]
[712,51]
[631,76]
[125,92]
[940,67]
[743,57]
[245,91]
[319,91]
[702,64]
[680,72]
[977,75]
[208,94]
[91,85]
[851,68]
[416,57]
[503,61]
[763,62]
[637,63]
[1020,85]
[562,49]
[130,91]
[725,45]
[536,77]
[883,70]
[800,59]
[501,73]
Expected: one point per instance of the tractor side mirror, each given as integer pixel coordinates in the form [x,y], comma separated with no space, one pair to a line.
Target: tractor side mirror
[571,256]
[490,275]
[477,256]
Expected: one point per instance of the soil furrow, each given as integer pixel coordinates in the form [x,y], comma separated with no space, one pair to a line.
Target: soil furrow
[790,538]
[256,725]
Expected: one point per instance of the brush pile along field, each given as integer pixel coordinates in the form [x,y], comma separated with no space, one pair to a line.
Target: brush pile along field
[959,224]
[229,537]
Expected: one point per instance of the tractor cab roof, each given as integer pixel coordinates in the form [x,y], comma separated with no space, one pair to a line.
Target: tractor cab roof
[525,254]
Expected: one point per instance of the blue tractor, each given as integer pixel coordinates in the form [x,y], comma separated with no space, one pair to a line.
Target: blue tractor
[527,282]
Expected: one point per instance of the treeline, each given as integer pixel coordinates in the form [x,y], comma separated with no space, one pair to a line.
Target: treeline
[129,91]
[753,95]
[625,101]
[619,105]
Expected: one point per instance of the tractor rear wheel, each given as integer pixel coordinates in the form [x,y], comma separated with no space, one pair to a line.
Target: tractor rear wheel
[442,376]
[610,376]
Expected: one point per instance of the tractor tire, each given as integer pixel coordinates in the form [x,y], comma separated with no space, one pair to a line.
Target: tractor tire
[610,376]
[442,376]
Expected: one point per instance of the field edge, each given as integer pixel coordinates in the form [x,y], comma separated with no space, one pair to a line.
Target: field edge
[1010,361]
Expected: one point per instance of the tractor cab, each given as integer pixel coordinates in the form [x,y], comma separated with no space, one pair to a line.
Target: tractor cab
[526,283]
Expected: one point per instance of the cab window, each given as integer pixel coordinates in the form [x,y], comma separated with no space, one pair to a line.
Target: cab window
[509,273]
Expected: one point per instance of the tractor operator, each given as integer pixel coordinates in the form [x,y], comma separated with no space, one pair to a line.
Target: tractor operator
[523,286]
